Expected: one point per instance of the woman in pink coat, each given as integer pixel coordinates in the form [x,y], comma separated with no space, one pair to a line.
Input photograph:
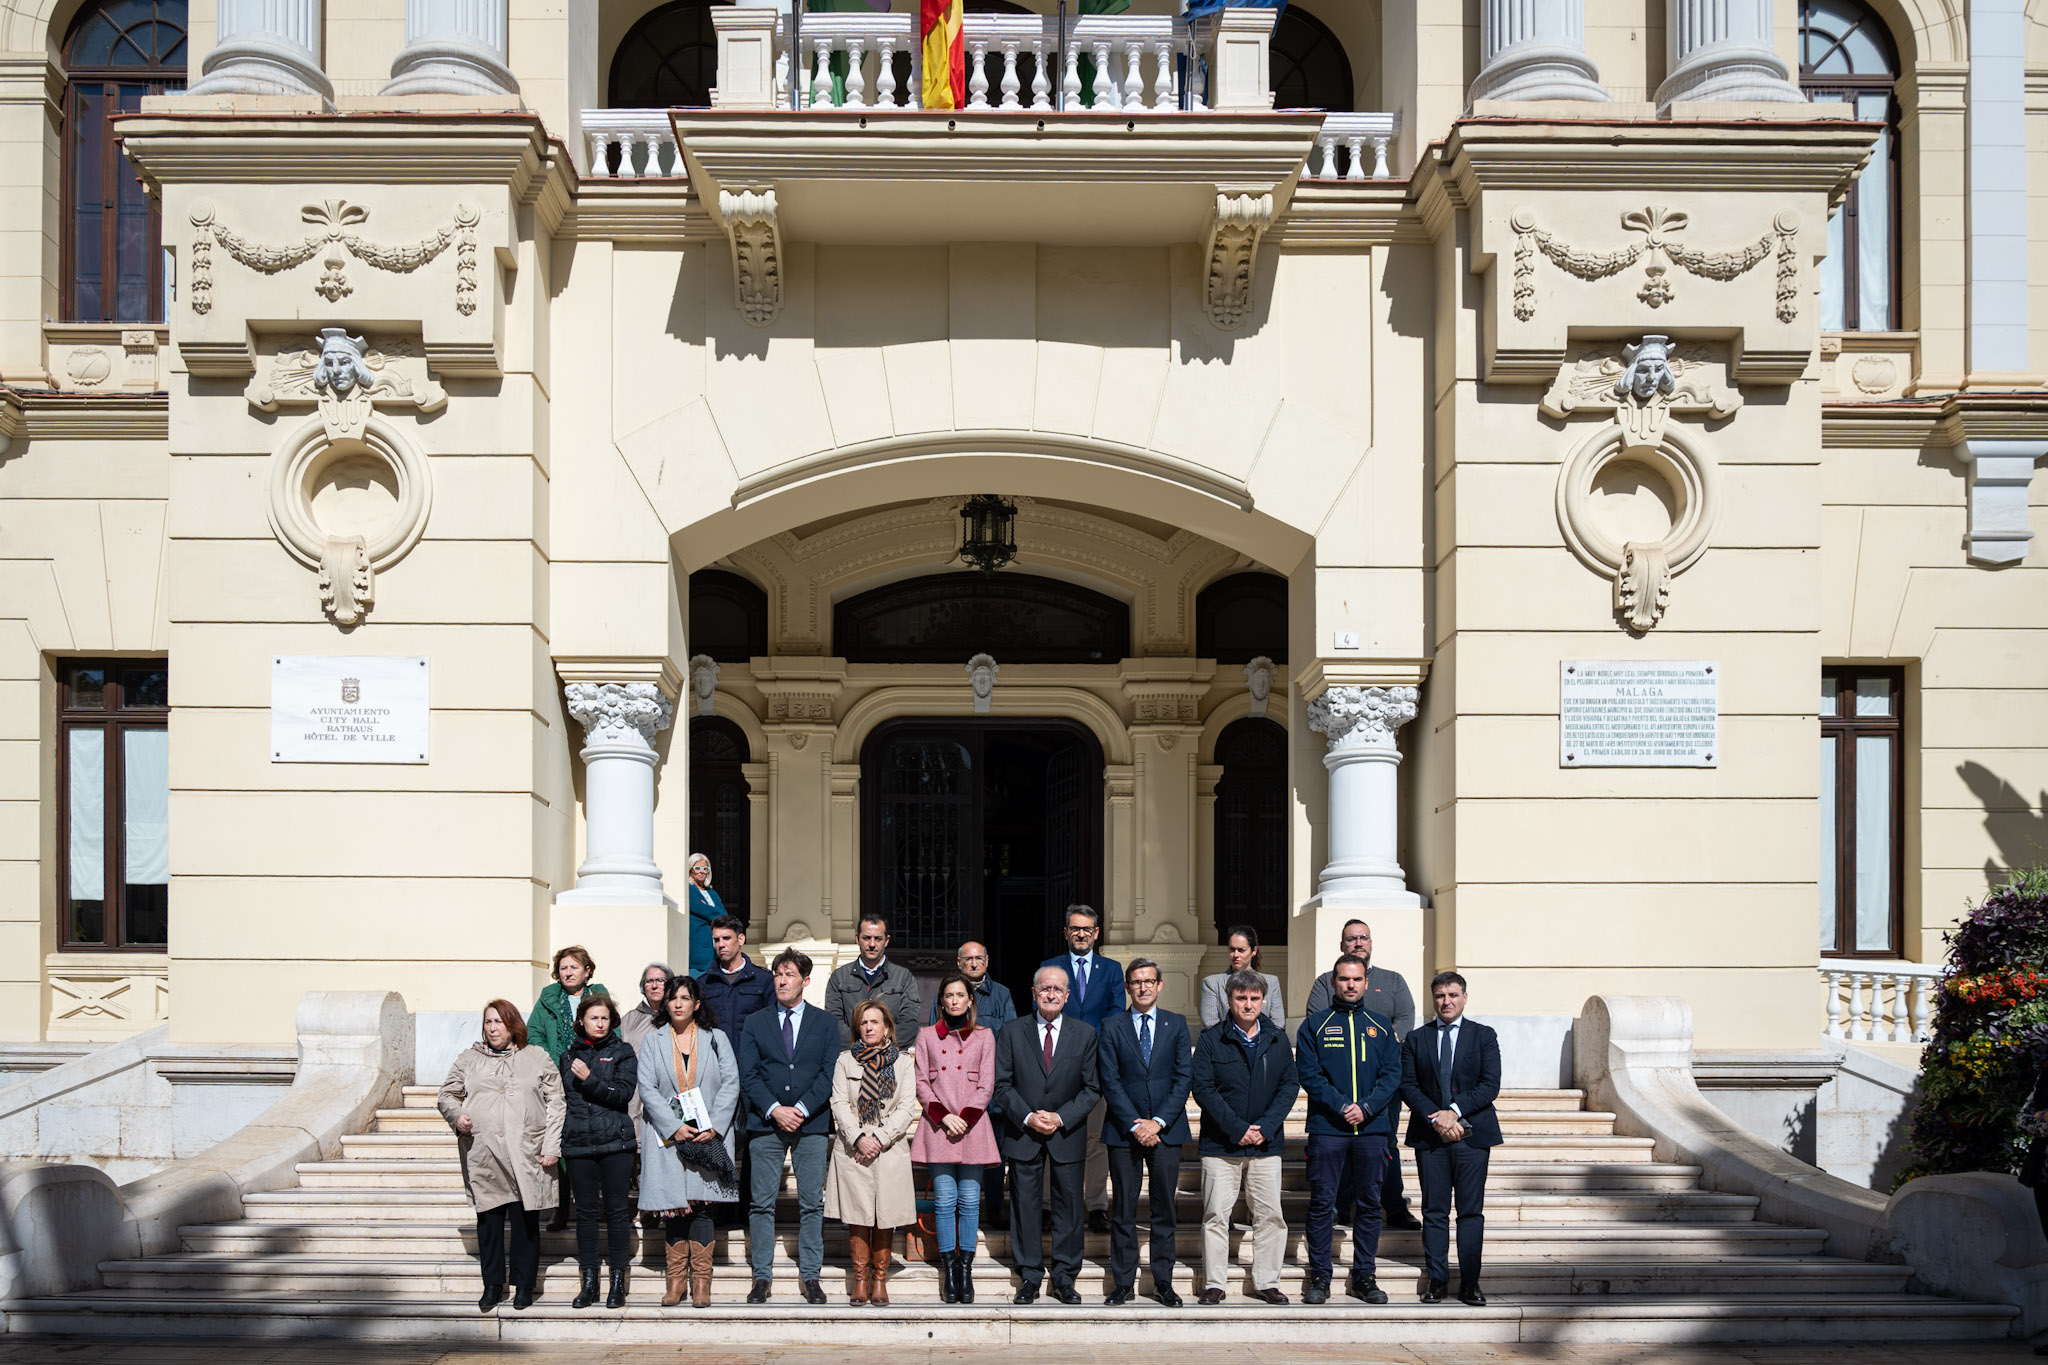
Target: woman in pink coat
[956,1074]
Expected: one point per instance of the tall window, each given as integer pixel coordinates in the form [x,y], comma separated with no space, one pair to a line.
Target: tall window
[119,51]
[113,794]
[721,824]
[728,617]
[1307,65]
[1241,617]
[1251,830]
[1847,57]
[1862,803]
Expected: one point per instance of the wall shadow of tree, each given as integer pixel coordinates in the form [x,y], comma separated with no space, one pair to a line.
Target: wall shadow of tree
[2018,827]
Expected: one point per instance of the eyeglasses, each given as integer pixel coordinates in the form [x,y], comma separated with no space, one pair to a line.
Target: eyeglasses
[1052,990]
[975,957]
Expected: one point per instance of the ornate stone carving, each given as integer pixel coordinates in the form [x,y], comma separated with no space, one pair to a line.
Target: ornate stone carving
[336,237]
[1258,678]
[88,367]
[750,224]
[348,585]
[704,682]
[1659,248]
[617,713]
[344,377]
[1176,706]
[1643,384]
[981,673]
[1354,717]
[348,496]
[96,996]
[1232,254]
[1874,374]
[798,706]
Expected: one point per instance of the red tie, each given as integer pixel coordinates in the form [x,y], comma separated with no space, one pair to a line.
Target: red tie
[1048,1049]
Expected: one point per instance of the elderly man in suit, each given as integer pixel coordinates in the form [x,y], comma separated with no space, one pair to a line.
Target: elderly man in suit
[1147,1061]
[1450,1077]
[1095,991]
[787,1055]
[1046,1086]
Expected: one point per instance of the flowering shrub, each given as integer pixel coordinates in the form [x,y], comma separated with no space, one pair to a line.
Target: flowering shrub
[1990,1036]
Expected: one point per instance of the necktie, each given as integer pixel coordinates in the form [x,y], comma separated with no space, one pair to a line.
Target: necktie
[789,1033]
[1048,1049]
[1443,1065]
[1145,1038]
[1080,979]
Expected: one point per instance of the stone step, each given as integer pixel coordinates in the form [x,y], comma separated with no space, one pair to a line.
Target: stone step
[326,1277]
[1687,1319]
[423,1097]
[323,1234]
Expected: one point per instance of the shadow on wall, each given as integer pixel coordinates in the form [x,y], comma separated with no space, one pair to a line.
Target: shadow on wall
[2017,826]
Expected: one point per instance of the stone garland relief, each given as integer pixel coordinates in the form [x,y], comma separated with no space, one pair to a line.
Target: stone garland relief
[1659,249]
[1638,499]
[337,221]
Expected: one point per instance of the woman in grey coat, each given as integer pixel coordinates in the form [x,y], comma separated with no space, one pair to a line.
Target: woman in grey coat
[689,1101]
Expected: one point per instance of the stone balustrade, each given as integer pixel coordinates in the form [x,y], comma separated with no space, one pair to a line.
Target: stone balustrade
[1880,1002]
[644,139]
[1352,135]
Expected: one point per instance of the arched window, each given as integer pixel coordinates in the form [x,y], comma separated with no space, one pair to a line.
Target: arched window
[1308,67]
[728,617]
[118,52]
[946,618]
[1241,617]
[668,60]
[1251,829]
[1846,56]
[721,822]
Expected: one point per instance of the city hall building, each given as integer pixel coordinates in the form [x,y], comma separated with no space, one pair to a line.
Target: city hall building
[1558,485]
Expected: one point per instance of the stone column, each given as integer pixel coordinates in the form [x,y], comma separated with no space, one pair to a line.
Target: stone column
[620,721]
[453,47]
[1364,817]
[1721,50]
[266,47]
[1535,50]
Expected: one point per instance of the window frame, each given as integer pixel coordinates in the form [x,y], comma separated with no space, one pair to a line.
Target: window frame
[113,719]
[1846,727]
[1849,87]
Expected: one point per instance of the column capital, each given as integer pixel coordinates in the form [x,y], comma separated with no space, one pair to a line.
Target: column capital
[1357,717]
[618,712]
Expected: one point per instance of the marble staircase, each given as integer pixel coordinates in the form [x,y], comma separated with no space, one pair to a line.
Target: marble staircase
[1589,1238]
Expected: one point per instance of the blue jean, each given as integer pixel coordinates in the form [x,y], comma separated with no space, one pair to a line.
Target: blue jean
[956,1193]
[807,1153]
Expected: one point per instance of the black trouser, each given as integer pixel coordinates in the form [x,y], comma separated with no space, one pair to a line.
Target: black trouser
[1126,1164]
[1028,1193]
[490,1245]
[1332,1161]
[603,1186]
[1452,1170]
[694,1226]
[1392,1195]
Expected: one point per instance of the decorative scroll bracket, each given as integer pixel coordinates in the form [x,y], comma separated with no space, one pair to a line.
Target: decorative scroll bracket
[756,236]
[1232,255]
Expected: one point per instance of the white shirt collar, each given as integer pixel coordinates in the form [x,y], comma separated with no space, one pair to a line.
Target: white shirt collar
[1152,1014]
[1045,1023]
[796,1011]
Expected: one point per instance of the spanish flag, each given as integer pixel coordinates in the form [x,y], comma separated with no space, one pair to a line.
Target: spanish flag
[945,55]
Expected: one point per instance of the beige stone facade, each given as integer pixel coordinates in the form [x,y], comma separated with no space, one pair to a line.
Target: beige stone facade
[1186,349]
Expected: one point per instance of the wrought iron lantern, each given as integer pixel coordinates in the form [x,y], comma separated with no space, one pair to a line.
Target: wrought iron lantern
[988,531]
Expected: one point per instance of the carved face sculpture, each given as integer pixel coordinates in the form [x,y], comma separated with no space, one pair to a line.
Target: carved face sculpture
[1260,680]
[984,681]
[1648,370]
[341,366]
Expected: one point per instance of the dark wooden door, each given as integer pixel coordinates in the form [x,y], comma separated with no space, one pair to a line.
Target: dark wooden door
[721,823]
[1251,830]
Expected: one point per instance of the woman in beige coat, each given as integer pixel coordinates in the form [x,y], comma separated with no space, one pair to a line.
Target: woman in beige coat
[874,1107]
[504,1101]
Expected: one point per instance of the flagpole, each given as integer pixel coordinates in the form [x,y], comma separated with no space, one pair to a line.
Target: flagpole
[1059,56]
[796,55]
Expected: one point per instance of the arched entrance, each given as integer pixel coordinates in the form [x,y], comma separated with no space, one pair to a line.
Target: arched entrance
[980,829]
[720,823]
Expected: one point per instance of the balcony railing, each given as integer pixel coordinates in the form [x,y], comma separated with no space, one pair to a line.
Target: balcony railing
[1879,1002]
[1353,147]
[633,144]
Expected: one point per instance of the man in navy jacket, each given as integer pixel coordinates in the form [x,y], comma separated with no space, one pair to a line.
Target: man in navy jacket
[1450,1077]
[1147,1065]
[786,1058]
[1095,990]
[1350,1068]
[1244,1082]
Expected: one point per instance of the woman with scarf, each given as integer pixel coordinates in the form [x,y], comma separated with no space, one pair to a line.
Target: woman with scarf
[689,1096]
[599,1076]
[956,1074]
[867,1187]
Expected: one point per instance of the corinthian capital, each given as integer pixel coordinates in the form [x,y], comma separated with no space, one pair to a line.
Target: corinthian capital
[1354,717]
[610,712]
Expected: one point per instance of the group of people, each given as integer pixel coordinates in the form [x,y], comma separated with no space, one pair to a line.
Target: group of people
[711,1086]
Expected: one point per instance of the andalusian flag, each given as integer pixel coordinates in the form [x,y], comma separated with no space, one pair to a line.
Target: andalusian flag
[945,55]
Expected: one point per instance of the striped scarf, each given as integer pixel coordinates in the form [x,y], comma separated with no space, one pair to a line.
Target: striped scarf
[877,1080]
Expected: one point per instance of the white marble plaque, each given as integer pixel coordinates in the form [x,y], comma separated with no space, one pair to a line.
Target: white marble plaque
[344,708]
[1651,714]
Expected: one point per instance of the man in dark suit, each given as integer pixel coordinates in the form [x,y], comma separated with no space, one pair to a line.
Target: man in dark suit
[1450,1077]
[1046,1086]
[1147,1060]
[1095,991]
[786,1058]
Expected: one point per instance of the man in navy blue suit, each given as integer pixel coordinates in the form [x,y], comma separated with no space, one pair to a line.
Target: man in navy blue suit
[1095,991]
[1450,1077]
[787,1054]
[1146,1061]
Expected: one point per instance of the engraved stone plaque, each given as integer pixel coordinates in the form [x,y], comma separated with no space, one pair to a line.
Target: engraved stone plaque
[341,708]
[1646,714]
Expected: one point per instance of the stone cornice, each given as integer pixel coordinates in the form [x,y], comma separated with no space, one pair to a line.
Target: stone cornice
[1943,422]
[662,672]
[52,416]
[1339,214]
[2020,416]
[666,211]
[1901,424]
[1323,674]
[31,79]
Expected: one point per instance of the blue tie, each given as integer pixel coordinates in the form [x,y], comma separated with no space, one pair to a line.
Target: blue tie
[1145,1038]
[1080,979]
[789,1034]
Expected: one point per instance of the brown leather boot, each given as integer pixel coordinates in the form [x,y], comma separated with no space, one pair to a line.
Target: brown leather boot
[861,1256]
[678,1273]
[700,1274]
[880,1249]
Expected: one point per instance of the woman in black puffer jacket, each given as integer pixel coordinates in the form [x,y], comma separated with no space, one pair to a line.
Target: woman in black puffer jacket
[599,1145]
